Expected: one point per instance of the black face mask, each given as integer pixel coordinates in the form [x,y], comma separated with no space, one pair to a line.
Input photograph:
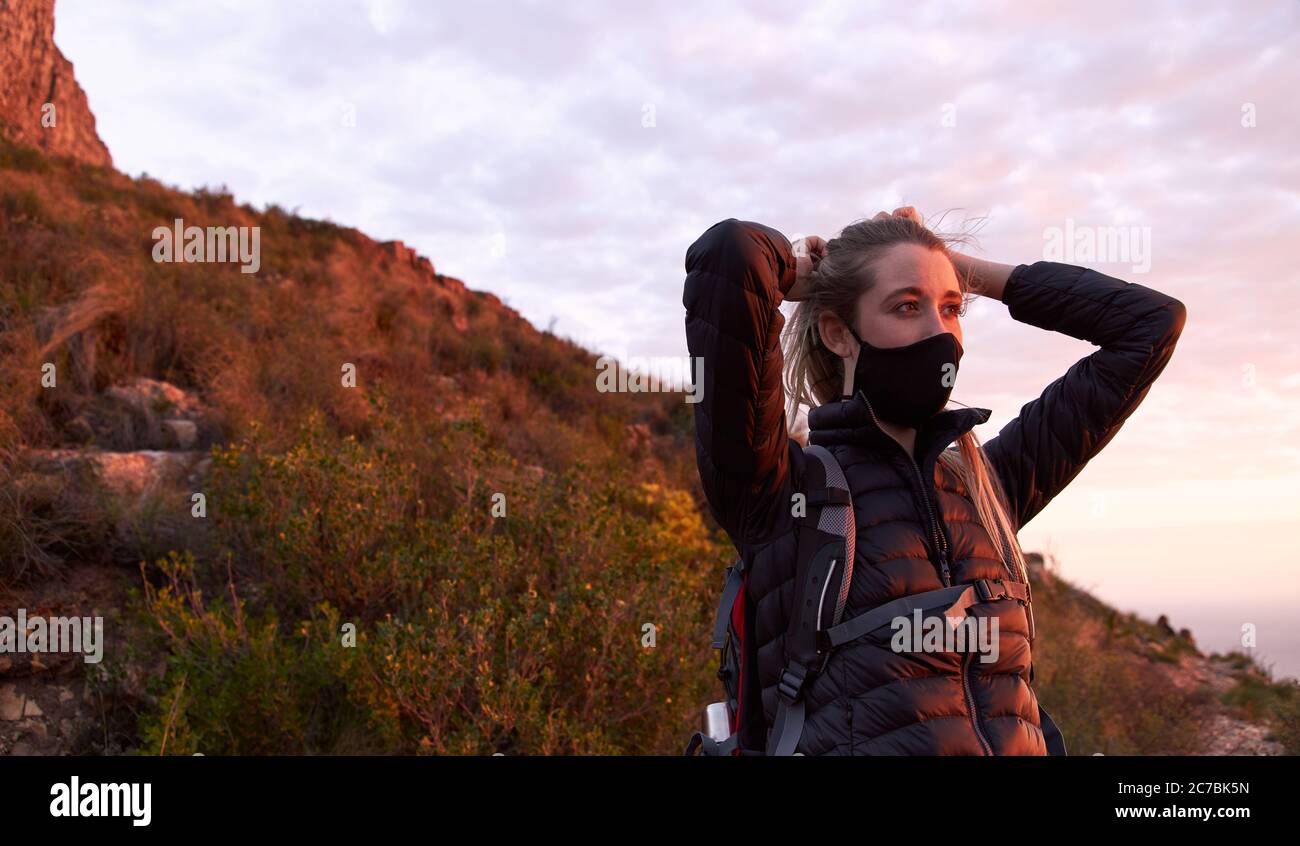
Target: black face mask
[910,384]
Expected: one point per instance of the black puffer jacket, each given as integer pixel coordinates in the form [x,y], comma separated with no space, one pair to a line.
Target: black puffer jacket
[870,700]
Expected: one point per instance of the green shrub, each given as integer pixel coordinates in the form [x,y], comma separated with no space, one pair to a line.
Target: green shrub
[238,682]
[521,633]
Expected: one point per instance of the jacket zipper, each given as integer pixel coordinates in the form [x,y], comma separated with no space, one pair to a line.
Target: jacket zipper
[940,544]
[970,704]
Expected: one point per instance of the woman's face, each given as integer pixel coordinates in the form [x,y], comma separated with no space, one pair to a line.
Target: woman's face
[916,296]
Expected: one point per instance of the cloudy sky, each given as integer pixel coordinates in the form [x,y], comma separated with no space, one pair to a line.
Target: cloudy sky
[563,155]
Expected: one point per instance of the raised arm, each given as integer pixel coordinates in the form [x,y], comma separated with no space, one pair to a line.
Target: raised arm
[737,273]
[1041,451]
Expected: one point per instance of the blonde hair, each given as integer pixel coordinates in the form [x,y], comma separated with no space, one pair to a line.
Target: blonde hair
[815,375]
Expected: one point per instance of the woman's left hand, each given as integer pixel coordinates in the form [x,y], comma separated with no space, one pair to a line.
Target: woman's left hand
[985,278]
[905,211]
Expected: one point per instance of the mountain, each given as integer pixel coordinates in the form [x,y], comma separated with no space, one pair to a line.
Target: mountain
[41,102]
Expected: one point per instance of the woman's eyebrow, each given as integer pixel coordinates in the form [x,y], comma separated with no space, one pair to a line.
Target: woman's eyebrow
[918,292]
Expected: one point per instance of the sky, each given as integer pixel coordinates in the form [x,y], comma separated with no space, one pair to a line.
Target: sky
[563,155]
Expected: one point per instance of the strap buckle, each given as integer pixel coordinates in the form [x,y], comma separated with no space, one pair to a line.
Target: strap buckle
[791,683]
[996,589]
[990,589]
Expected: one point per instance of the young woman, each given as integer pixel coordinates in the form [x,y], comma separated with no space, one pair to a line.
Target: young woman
[873,348]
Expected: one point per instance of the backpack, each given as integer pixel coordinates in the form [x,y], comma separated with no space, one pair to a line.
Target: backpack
[826,537]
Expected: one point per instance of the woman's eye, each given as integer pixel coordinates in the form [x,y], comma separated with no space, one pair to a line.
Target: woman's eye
[954,309]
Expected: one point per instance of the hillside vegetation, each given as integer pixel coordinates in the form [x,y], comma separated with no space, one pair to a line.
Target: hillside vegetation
[329,505]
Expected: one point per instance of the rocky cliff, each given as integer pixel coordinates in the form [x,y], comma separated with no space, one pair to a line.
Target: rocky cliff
[41,103]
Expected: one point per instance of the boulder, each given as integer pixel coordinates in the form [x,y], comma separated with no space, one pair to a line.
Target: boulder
[1036,566]
[137,502]
[145,414]
[129,476]
[162,399]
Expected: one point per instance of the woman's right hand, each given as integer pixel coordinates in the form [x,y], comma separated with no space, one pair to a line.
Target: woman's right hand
[808,251]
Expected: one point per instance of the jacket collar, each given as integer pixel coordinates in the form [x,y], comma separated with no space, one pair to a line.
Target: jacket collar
[850,420]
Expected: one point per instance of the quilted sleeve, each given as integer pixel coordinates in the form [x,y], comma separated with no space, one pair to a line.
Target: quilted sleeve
[1037,454]
[737,273]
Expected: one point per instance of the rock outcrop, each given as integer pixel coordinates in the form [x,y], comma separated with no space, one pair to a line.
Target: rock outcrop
[129,477]
[143,453]
[36,76]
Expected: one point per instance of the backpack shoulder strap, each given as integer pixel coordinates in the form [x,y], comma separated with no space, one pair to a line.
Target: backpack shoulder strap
[730,590]
[835,516]
[826,534]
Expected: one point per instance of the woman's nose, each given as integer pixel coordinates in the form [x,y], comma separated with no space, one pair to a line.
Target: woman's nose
[934,323]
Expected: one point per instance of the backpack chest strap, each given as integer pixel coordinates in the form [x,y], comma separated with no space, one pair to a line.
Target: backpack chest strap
[957,597]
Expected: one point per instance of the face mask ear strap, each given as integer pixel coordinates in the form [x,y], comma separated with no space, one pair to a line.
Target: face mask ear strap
[856,390]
